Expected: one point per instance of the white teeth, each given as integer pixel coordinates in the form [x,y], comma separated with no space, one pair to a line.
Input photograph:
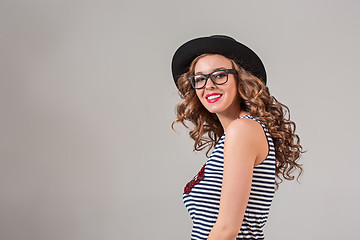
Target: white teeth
[213,97]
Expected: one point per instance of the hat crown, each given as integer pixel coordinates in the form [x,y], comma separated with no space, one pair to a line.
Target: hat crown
[223,37]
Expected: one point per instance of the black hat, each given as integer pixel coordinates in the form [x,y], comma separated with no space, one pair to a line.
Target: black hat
[217,44]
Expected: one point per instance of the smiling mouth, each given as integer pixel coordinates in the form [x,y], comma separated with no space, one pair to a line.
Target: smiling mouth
[213,98]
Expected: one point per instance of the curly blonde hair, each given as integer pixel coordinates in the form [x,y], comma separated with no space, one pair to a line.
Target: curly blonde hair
[255,99]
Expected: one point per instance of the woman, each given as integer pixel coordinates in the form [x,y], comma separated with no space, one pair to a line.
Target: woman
[223,86]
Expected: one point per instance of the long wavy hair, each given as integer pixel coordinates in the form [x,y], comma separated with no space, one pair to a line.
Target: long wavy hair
[206,129]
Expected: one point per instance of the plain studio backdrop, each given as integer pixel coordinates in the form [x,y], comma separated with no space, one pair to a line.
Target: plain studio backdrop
[87,100]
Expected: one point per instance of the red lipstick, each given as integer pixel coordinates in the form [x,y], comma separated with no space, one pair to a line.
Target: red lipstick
[213,97]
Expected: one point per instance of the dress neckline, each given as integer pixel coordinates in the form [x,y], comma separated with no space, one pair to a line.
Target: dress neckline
[244,116]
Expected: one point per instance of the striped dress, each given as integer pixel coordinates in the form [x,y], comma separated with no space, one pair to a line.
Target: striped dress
[202,194]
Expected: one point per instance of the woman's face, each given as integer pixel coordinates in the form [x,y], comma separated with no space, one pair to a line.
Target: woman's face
[227,98]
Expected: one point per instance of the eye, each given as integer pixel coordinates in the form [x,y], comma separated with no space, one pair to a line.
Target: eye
[220,74]
[199,78]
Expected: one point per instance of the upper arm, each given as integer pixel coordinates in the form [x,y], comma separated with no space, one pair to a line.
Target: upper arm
[241,148]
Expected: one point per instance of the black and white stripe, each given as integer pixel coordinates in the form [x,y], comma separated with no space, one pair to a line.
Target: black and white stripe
[203,200]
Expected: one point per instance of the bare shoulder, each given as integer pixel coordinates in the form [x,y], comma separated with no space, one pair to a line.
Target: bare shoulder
[248,137]
[244,127]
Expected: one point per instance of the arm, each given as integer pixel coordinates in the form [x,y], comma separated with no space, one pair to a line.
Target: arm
[241,148]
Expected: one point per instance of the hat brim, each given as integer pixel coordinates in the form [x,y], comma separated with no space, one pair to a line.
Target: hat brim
[223,45]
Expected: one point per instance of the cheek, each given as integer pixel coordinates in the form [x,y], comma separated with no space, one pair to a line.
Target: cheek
[233,90]
[199,94]
[232,94]
[235,93]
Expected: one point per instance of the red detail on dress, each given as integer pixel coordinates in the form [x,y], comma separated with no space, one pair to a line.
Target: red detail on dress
[200,176]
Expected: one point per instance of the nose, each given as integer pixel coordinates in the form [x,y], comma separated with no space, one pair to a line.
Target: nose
[209,84]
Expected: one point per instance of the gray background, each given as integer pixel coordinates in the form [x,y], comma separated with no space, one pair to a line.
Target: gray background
[87,99]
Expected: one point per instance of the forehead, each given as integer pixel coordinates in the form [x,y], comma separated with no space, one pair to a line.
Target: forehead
[211,62]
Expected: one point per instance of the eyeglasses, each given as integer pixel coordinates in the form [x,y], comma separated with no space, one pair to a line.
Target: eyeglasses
[218,77]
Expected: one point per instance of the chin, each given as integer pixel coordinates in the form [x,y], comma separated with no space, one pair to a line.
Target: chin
[213,109]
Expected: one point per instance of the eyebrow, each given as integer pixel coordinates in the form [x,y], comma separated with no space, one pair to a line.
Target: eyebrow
[215,69]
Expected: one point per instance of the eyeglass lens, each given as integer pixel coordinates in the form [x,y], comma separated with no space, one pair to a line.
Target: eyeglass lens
[218,77]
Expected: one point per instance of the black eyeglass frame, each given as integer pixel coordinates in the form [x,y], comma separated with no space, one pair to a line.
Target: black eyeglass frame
[207,76]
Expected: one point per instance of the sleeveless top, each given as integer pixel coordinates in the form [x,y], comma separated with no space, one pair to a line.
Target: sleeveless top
[202,194]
